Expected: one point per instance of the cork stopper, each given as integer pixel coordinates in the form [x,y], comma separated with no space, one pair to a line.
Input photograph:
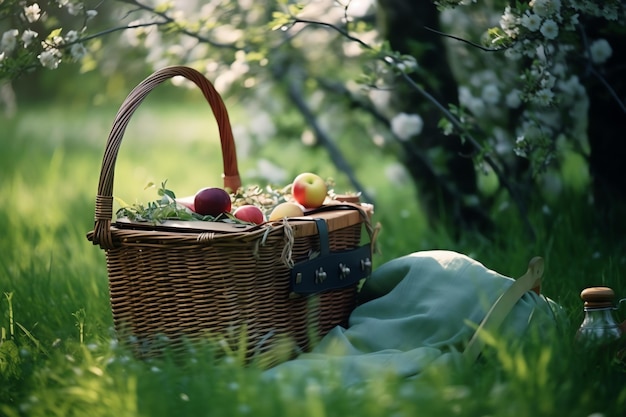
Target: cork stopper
[597,297]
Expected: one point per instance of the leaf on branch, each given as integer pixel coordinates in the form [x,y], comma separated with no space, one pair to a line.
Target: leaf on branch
[54,34]
[498,38]
[280,20]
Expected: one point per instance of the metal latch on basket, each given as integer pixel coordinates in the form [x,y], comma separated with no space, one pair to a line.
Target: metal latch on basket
[330,270]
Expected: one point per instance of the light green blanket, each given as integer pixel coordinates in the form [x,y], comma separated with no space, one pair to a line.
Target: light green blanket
[414,311]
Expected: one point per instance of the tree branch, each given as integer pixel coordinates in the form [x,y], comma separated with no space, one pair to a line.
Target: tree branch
[457,38]
[519,202]
[112,30]
[339,30]
[168,20]
[408,147]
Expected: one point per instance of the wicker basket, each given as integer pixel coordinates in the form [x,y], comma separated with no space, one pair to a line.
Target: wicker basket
[183,280]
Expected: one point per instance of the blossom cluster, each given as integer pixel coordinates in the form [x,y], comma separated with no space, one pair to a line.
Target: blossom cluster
[23,46]
[545,31]
[534,75]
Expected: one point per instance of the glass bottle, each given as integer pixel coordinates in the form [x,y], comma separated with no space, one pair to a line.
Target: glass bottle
[599,328]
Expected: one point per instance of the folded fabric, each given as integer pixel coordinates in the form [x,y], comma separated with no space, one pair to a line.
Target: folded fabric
[414,311]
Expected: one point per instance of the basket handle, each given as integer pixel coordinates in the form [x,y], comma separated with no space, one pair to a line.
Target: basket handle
[104,198]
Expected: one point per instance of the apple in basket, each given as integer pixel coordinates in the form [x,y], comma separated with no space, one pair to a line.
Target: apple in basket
[309,190]
[212,201]
[249,213]
[287,209]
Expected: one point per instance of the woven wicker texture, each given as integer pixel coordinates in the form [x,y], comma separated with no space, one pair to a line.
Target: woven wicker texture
[167,285]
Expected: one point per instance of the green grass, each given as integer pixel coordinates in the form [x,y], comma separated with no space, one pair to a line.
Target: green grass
[67,362]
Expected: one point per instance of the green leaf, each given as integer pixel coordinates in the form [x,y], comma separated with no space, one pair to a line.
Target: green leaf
[280,20]
[32,338]
[121,202]
[54,33]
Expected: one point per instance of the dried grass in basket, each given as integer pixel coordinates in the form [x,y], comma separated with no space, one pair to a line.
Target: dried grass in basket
[178,281]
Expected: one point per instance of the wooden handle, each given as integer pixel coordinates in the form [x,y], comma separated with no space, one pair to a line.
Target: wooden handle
[104,198]
[531,280]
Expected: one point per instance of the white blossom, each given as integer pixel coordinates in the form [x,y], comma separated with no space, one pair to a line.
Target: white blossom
[549,29]
[476,106]
[78,51]
[514,99]
[404,125]
[32,12]
[490,94]
[543,52]
[543,97]
[71,36]
[600,51]
[508,22]
[91,14]
[572,86]
[465,95]
[531,21]
[9,40]
[56,40]
[74,8]
[520,144]
[28,36]
[548,80]
[573,21]
[50,58]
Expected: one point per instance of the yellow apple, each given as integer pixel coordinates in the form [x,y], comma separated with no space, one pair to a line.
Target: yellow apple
[287,209]
[309,190]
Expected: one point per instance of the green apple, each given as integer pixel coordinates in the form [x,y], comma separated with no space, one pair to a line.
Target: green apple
[309,190]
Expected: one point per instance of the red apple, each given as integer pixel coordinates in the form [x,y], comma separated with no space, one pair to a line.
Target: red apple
[187,201]
[309,190]
[287,209]
[212,201]
[249,213]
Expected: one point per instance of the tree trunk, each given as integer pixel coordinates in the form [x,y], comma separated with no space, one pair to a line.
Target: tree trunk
[607,133]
